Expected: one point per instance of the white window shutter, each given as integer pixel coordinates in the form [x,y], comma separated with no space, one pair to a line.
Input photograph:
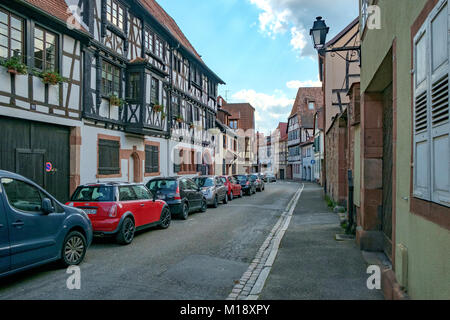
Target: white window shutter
[421,171]
[439,105]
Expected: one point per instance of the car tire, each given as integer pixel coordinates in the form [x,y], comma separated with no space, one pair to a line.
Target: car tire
[166,218]
[184,211]
[231,197]
[126,233]
[216,202]
[225,199]
[74,249]
[204,206]
[241,194]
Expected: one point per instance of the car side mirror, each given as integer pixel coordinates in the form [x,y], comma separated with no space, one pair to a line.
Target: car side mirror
[154,196]
[47,207]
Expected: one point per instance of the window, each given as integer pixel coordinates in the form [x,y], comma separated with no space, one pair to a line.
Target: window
[176,105]
[151,159]
[114,13]
[108,157]
[22,196]
[94,193]
[11,35]
[110,79]
[44,49]
[431,173]
[155,91]
[127,194]
[135,82]
[233,124]
[311,105]
[148,40]
[141,192]
[159,47]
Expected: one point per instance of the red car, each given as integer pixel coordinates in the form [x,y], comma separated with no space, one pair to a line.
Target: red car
[234,188]
[119,209]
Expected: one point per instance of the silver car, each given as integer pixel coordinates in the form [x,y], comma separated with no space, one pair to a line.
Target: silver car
[213,189]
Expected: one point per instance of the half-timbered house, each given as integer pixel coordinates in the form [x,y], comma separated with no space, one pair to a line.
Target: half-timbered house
[40,92]
[132,98]
[149,98]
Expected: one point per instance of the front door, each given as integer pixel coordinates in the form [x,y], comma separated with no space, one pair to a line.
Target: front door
[4,238]
[281,174]
[33,234]
[38,151]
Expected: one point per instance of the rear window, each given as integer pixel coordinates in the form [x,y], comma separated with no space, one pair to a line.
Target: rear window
[156,185]
[241,178]
[253,177]
[94,194]
[204,182]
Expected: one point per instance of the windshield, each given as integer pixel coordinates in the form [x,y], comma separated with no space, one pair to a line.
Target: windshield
[162,185]
[241,178]
[94,193]
[204,182]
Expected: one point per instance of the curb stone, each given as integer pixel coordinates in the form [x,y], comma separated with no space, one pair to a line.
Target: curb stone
[253,280]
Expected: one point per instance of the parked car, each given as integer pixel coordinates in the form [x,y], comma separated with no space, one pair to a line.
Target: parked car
[35,228]
[263,176]
[213,189]
[271,178]
[259,183]
[120,209]
[248,186]
[181,194]
[234,188]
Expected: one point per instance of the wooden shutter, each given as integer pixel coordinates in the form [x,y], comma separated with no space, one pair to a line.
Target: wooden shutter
[155,159]
[108,156]
[439,104]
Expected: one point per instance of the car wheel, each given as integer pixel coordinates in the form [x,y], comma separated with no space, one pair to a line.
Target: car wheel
[185,211]
[204,206]
[73,249]
[126,233]
[216,202]
[241,194]
[225,199]
[231,196]
[166,218]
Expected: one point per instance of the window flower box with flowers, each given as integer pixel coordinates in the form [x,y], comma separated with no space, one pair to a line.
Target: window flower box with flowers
[51,77]
[179,118]
[14,65]
[115,101]
[157,107]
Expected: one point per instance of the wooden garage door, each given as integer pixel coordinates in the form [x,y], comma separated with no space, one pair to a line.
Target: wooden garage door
[26,147]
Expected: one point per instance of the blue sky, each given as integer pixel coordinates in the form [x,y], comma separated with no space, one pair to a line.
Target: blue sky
[260,48]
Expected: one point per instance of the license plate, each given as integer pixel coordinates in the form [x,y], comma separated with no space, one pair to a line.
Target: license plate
[90,211]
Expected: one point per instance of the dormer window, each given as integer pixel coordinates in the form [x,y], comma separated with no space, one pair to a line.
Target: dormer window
[114,13]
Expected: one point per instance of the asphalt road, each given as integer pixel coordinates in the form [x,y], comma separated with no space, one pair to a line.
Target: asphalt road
[195,259]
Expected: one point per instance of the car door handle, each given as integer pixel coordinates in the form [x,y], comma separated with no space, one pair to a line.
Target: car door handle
[142,205]
[18,224]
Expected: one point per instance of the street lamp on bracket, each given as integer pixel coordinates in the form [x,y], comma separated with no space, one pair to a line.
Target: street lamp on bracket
[319,33]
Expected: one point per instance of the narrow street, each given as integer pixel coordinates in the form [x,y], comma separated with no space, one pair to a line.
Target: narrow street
[200,258]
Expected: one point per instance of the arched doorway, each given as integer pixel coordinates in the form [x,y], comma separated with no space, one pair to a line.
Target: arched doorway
[134,168]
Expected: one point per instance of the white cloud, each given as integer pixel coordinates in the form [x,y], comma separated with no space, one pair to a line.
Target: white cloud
[267,107]
[279,16]
[295,84]
[262,101]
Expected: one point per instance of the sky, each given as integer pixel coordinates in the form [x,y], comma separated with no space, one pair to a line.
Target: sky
[260,48]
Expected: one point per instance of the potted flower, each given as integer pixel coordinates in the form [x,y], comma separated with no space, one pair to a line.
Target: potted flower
[51,77]
[15,65]
[115,100]
[179,118]
[157,107]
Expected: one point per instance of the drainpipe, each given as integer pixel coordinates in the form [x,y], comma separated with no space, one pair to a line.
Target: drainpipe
[350,206]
